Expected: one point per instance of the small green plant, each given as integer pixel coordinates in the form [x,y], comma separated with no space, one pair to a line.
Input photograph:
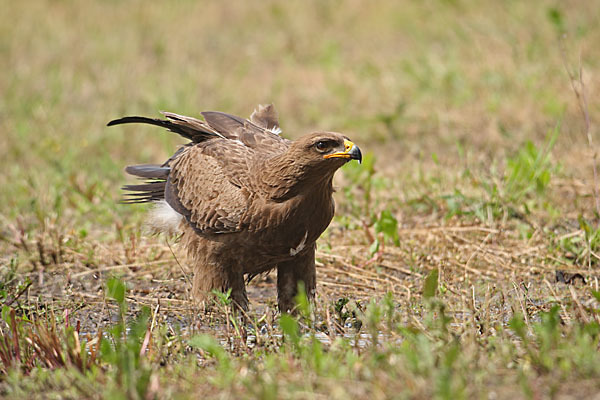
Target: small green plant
[551,349]
[26,344]
[432,351]
[529,171]
[125,347]
[430,285]
[212,348]
[291,330]
[386,230]
[360,195]
[581,248]
[363,179]
[224,303]
[435,316]
[346,312]
[520,189]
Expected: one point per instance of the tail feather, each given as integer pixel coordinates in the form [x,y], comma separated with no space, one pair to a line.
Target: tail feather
[149,191]
[143,197]
[148,171]
[149,187]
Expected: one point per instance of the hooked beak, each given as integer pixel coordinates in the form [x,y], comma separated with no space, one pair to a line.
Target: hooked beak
[351,152]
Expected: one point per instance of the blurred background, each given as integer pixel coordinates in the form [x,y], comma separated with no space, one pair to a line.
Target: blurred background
[439,92]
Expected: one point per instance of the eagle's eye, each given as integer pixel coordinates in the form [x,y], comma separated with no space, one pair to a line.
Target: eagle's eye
[322,145]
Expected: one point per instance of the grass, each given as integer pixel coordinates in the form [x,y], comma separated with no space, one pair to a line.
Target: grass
[461,261]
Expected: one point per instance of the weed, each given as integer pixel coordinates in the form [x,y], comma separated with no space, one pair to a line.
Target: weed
[125,348]
[26,344]
[363,181]
[528,172]
[581,248]
[552,349]
[521,189]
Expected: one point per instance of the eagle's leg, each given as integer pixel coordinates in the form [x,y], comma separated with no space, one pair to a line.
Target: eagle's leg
[207,277]
[216,277]
[300,269]
[238,289]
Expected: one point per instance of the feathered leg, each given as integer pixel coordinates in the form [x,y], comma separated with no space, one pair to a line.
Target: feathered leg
[235,281]
[207,277]
[213,270]
[289,273]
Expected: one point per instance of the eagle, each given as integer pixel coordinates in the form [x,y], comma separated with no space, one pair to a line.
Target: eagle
[243,199]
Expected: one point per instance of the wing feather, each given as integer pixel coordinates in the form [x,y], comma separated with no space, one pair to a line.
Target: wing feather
[190,128]
[204,193]
[266,117]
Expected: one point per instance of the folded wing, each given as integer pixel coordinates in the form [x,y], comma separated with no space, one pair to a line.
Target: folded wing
[207,180]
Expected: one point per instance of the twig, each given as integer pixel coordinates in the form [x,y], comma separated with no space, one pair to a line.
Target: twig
[187,278]
[401,269]
[480,248]
[521,300]
[448,228]
[9,302]
[582,102]
[118,266]
[565,314]
[579,306]
[148,335]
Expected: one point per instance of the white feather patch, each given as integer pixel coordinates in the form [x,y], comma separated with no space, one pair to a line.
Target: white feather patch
[276,130]
[298,249]
[163,218]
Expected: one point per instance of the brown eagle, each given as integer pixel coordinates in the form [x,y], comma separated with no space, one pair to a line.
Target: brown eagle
[244,199]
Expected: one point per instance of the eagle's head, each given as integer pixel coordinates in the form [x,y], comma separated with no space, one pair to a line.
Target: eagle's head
[327,150]
[309,163]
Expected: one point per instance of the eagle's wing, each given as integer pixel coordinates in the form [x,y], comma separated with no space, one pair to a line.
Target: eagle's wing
[206,186]
[260,132]
[190,128]
[208,181]
[266,117]
[262,139]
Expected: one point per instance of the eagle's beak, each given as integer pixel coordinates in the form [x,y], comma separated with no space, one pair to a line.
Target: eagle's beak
[351,152]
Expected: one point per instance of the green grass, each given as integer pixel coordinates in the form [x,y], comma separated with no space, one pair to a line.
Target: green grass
[382,355]
[439,275]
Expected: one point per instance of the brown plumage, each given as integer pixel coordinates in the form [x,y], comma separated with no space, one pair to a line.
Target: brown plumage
[244,199]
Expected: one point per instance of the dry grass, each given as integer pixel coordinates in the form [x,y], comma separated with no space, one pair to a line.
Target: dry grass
[443,94]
